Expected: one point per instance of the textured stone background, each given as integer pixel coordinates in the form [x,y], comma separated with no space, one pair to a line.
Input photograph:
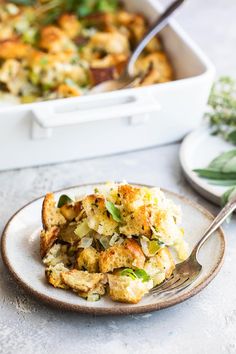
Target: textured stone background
[204,324]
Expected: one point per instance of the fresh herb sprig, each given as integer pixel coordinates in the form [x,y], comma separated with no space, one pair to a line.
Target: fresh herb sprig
[222,109]
[222,171]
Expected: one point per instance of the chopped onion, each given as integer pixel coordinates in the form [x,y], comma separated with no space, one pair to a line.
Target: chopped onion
[104,240]
[144,244]
[119,241]
[82,229]
[150,247]
[86,242]
[113,239]
[93,297]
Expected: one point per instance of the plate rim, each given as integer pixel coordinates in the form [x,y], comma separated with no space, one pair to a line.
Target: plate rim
[196,182]
[63,305]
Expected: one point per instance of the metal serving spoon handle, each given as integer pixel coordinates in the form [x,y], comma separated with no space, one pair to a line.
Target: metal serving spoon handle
[152,32]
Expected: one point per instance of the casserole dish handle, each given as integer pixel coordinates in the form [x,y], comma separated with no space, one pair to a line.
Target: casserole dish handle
[136,107]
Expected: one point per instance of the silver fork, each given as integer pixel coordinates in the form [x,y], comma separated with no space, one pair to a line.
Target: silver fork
[186,272]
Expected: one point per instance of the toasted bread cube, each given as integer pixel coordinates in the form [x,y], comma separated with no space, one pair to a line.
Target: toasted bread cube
[99,218]
[111,42]
[47,239]
[69,24]
[131,197]
[157,67]
[128,254]
[14,49]
[51,216]
[53,275]
[160,266]
[85,283]
[54,40]
[137,223]
[71,211]
[125,289]
[64,91]
[88,260]
[58,253]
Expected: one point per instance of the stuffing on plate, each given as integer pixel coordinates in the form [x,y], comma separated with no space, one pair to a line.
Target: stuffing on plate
[120,240]
[56,49]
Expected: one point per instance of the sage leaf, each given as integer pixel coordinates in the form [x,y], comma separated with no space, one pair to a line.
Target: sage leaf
[114,211]
[129,273]
[230,165]
[64,199]
[142,274]
[232,137]
[215,175]
[135,274]
[228,195]
[219,162]
[223,183]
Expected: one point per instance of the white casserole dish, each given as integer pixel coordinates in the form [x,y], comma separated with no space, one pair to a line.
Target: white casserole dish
[93,125]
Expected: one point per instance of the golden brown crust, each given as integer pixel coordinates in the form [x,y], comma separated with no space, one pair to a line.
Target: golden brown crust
[157,68]
[64,91]
[125,289]
[53,276]
[98,217]
[69,24]
[128,254]
[138,222]
[47,239]
[88,260]
[166,261]
[14,49]
[82,281]
[129,196]
[54,40]
[71,211]
[51,216]
[110,42]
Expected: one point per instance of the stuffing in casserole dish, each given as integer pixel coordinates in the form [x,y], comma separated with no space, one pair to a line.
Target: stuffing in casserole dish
[55,49]
[120,240]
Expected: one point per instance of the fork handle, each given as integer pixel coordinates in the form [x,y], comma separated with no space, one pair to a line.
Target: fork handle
[220,218]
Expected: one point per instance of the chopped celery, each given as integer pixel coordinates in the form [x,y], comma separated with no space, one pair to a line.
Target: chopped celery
[82,229]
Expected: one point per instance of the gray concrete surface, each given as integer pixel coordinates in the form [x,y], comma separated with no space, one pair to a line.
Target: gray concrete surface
[204,324]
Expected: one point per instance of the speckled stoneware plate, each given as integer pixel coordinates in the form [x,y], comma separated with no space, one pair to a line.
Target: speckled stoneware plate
[20,251]
[197,150]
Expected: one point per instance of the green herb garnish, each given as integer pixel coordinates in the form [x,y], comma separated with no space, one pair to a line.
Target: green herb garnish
[230,193]
[222,104]
[217,175]
[114,211]
[64,199]
[141,274]
[43,61]
[222,172]
[135,274]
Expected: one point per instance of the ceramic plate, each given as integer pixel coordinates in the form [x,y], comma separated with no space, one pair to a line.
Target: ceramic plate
[197,150]
[20,251]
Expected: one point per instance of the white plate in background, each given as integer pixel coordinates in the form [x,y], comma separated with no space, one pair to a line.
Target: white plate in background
[197,150]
